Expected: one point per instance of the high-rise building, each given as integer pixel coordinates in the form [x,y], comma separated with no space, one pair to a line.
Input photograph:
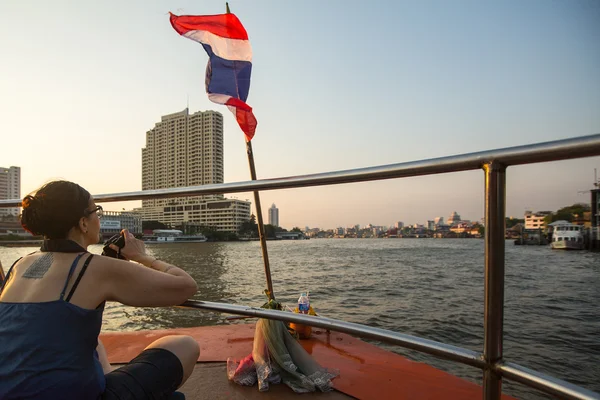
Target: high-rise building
[274,215]
[10,188]
[187,150]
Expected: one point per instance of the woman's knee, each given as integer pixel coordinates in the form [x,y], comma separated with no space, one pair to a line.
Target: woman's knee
[186,348]
[176,343]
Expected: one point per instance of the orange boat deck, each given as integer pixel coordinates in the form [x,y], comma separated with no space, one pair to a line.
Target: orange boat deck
[366,371]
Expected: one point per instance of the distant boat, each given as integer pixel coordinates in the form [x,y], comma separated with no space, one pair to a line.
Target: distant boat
[531,238]
[172,236]
[567,236]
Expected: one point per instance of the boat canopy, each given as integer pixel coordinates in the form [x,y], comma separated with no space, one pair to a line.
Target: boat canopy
[167,232]
[560,222]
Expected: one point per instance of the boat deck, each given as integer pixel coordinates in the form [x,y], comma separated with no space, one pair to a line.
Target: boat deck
[209,381]
[366,371]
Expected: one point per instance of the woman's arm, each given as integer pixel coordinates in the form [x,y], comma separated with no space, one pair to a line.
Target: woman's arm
[153,283]
[103,357]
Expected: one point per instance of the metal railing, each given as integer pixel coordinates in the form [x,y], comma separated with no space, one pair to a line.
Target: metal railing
[494,164]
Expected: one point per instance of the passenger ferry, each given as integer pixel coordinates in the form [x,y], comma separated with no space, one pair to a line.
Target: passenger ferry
[172,236]
[567,236]
[366,370]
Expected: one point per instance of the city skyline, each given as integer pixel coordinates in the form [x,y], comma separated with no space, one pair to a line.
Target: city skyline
[420,81]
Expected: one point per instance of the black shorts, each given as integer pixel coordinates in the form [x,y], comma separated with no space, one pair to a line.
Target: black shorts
[153,374]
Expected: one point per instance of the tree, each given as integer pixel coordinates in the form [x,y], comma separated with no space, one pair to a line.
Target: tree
[510,222]
[270,231]
[568,213]
[296,229]
[249,227]
[151,225]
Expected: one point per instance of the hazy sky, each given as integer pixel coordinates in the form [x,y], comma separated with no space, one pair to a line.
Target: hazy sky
[335,85]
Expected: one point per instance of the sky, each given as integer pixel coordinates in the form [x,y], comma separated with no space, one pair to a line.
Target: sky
[336,85]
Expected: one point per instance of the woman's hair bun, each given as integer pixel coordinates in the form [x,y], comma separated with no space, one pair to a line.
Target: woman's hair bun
[30,215]
[54,209]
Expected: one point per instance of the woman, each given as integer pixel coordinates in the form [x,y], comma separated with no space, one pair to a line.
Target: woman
[52,302]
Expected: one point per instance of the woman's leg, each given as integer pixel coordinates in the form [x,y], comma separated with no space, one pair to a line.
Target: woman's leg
[184,347]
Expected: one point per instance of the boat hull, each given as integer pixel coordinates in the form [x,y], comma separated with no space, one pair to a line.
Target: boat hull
[567,245]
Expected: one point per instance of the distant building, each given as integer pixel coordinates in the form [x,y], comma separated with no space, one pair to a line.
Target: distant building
[112,222]
[536,220]
[439,220]
[431,225]
[399,225]
[12,228]
[274,215]
[461,227]
[454,219]
[10,188]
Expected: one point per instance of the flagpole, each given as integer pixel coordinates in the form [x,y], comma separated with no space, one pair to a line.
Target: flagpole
[259,217]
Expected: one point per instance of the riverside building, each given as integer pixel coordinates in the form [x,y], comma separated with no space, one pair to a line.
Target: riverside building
[182,150]
[274,215]
[112,222]
[10,188]
[536,220]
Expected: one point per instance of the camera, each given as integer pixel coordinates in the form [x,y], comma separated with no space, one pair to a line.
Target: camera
[119,241]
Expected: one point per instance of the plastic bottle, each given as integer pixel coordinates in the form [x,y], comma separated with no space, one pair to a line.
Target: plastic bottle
[303,303]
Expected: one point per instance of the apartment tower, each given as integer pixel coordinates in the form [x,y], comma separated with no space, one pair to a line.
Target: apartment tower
[10,188]
[274,215]
[187,150]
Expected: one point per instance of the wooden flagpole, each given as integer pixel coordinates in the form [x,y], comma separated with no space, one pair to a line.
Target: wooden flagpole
[259,217]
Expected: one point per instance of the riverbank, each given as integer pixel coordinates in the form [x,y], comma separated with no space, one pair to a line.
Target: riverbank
[20,243]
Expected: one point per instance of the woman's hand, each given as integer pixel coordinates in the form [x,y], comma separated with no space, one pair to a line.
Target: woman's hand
[134,249]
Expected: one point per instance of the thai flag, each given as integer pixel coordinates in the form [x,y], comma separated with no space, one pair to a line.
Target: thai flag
[230,61]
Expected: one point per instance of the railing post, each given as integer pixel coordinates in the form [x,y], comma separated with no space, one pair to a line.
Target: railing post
[495,209]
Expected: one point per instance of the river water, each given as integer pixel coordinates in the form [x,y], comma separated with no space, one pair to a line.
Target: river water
[431,288]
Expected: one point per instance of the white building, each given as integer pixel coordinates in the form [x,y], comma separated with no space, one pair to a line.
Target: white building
[274,215]
[454,219]
[112,222]
[187,150]
[10,188]
[535,220]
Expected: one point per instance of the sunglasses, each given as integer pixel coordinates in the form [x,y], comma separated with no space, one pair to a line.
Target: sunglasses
[98,210]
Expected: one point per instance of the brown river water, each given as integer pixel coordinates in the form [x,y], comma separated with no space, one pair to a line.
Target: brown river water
[431,288]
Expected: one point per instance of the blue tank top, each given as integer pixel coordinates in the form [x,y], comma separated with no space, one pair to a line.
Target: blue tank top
[48,349]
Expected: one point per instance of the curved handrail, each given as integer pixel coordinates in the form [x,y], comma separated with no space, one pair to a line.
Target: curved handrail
[438,349]
[543,382]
